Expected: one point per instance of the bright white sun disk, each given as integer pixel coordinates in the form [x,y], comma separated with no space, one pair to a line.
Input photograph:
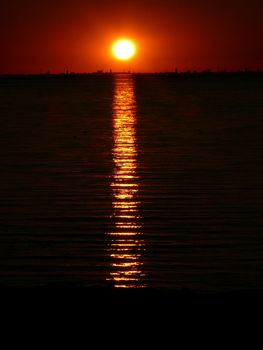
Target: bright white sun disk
[123,49]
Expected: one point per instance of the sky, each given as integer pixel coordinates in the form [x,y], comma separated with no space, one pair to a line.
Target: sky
[77,35]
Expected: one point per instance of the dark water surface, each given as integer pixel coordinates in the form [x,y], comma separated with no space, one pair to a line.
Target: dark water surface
[132,181]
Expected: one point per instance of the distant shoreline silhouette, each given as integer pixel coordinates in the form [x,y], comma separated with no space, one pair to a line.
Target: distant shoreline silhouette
[193,73]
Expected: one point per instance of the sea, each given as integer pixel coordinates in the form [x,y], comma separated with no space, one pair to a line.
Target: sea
[132,181]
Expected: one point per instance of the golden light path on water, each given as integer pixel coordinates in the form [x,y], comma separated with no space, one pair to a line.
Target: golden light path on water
[126,242]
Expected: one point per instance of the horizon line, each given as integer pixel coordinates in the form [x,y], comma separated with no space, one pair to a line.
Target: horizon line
[176,72]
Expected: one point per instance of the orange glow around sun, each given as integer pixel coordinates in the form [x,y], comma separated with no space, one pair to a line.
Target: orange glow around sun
[123,49]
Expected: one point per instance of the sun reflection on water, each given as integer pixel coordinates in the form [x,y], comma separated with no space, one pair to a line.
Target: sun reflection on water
[126,243]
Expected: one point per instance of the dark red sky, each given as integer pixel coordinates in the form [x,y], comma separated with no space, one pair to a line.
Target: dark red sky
[56,35]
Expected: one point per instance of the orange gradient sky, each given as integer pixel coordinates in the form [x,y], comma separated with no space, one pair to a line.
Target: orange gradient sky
[40,36]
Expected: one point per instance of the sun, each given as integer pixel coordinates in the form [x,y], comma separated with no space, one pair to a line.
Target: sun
[123,49]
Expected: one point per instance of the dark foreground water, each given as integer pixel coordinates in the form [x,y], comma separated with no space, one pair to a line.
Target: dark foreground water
[132,181]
